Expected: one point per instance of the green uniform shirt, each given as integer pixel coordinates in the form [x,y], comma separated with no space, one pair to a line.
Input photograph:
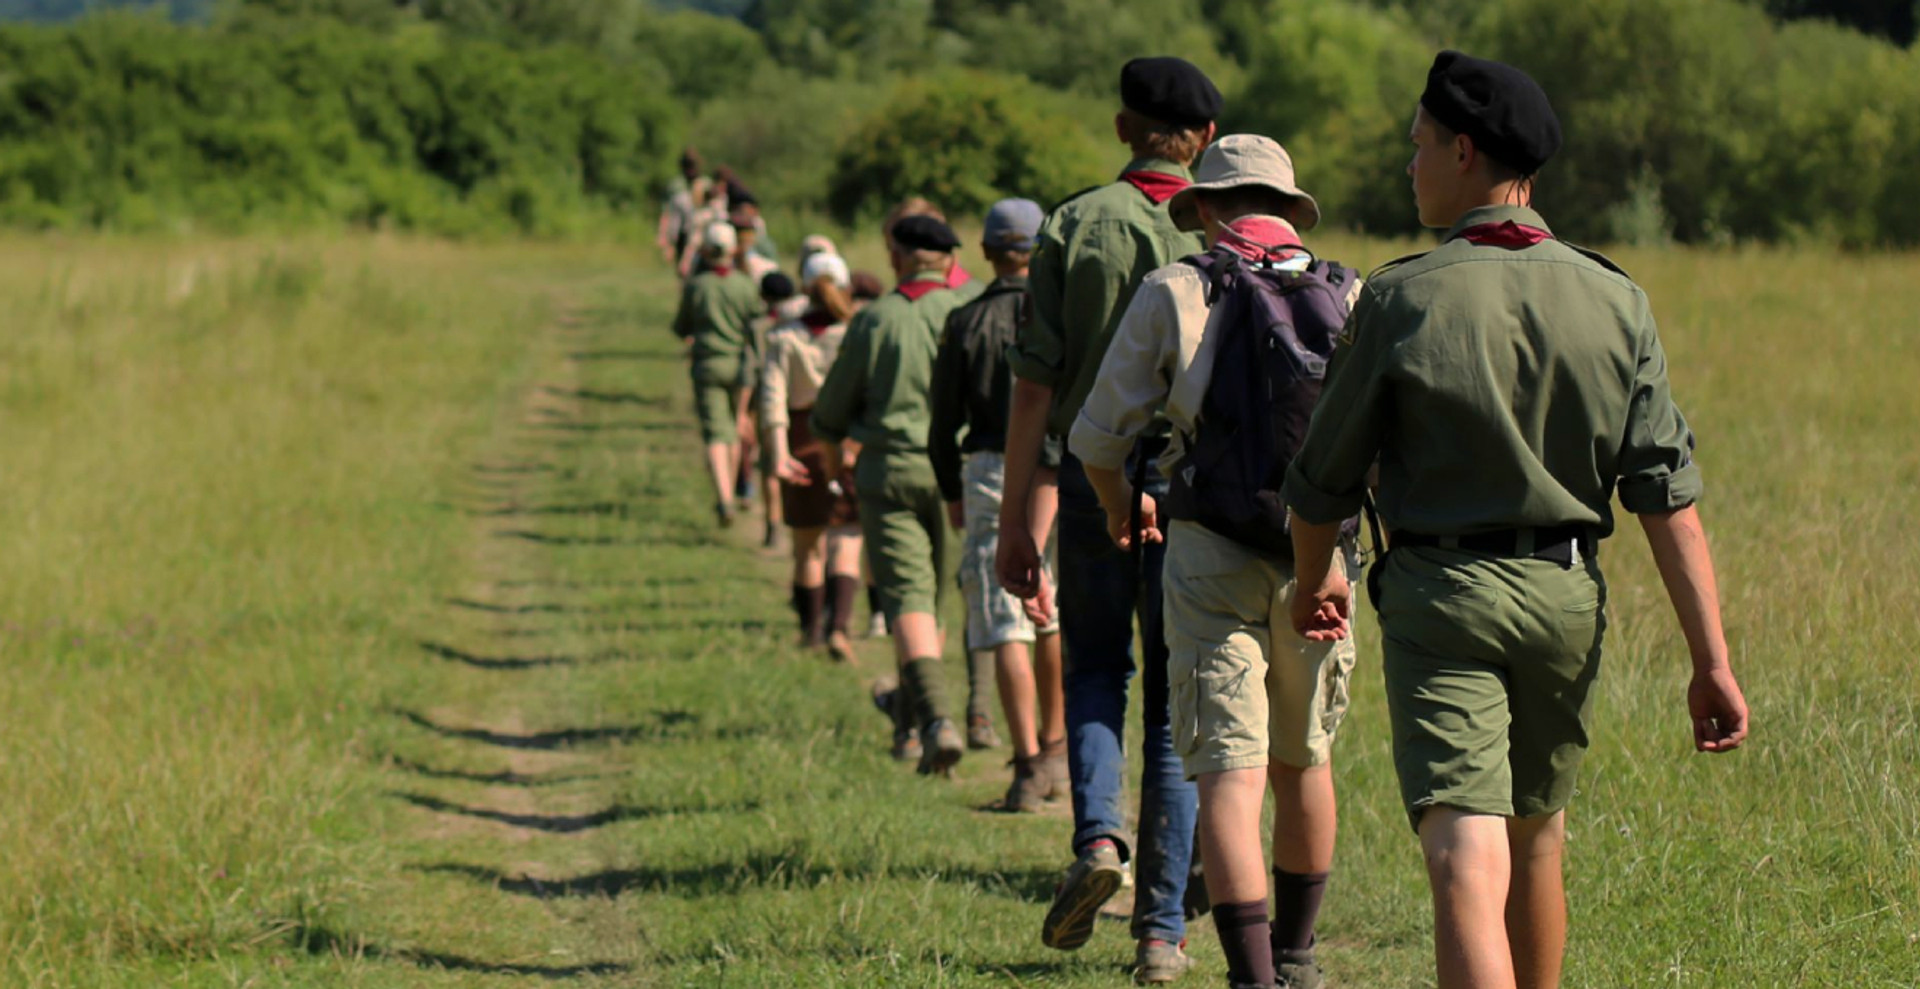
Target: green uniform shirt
[1498,389]
[718,311]
[879,390]
[1091,253]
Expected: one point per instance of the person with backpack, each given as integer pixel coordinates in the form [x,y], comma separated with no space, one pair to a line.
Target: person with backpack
[1091,253]
[715,319]
[1230,346]
[1508,385]
[972,388]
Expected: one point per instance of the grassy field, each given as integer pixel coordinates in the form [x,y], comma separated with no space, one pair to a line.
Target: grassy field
[364,625]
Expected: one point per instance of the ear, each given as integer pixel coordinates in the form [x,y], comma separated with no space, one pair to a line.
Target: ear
[1120,128]
[1465,154]
[1207,136]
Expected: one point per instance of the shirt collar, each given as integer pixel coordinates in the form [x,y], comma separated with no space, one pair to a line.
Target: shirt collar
[1160,165]
[1008,283]
[1496,214]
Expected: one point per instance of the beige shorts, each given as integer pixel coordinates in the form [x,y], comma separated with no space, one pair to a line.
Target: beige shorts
[994,617]
[1246,691]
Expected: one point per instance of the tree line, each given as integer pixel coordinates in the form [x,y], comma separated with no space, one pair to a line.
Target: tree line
[1706,121]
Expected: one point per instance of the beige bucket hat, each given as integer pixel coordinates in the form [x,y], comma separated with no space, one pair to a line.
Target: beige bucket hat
[1237,160]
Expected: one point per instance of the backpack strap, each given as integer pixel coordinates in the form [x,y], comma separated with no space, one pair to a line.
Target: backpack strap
[1219,267]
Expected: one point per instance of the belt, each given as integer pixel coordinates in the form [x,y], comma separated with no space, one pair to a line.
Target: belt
[1562,544]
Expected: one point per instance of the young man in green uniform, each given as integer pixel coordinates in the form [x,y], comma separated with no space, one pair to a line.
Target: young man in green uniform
[717,310]
[1092,253]
[1507,385]
[972,389]
[879,394]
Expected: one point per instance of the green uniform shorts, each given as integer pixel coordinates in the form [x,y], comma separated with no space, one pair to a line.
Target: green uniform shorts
[716,402]
[904,522]
[1490,664]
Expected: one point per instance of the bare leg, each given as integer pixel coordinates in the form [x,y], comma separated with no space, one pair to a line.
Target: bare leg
[1230,835]
[809,557]
[1468,866]
[1537,903]
[723,460]
[1304,818]
[1013,673]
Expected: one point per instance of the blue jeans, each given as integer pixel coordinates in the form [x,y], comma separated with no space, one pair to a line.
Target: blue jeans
[1101,590]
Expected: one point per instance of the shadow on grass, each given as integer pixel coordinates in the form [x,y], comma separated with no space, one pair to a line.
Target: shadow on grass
[504,777]
[331,943]
[514,468]
[757,871]
[678,538]
[660,725]
[597,508]
[613,397]
[747,625]
[564,823]
[480,662]
[639,356]
[605,427]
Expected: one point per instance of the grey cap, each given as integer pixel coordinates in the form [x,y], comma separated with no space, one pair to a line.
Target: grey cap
[1237,160]
[1012,224]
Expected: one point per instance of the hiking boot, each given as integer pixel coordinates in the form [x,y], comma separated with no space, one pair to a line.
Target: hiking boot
[941,748]
[906,746]
[980,733]
[1029,787]
[1297,970]
[723,515]
[1090,881]
[770,539]
[1053,766]
[883,693]
[1158,962]
[840,647]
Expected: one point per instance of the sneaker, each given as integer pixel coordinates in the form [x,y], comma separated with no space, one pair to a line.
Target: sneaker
[1297,970]
[883,695]
[1158,962]
[1090,881]
[980,733]
[1029,787]
[906,746]
[723,515]
[877,626]
[941,748]
[1053,764]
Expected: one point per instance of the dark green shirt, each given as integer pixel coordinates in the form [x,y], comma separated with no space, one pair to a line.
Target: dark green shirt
[1091,253]
[973,382]
[718,311]
[879,391]
[1497,388]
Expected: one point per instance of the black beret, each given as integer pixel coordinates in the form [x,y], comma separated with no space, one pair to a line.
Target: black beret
[1500,107]
[777,286]
[924,233]
[1170,90]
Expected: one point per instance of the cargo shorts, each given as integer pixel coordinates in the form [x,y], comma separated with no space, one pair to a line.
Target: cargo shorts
[994,617]
[1246,691]
[1490,664]
[716,401]
[904,522]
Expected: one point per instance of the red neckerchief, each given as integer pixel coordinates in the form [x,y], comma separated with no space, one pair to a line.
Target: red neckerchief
[957,276]
[1506,233]
[817,321]
[1158,186]
[1259,238]
[721,270]
[919,288]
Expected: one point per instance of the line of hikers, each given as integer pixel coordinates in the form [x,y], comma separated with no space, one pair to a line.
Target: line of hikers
[1164,406]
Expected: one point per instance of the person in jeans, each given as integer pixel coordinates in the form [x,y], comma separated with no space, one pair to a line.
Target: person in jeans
[972,387]
[1253,704]
[1090,255]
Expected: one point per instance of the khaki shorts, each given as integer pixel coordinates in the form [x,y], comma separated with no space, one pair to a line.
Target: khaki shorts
[716,403]
[1490,664]
[904,522]
[1246,691]
[994,617]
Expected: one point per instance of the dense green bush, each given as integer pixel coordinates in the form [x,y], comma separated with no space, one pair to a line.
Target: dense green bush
[964,140]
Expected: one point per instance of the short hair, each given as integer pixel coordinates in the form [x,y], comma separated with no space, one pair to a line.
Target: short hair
[866,286]
[1246,200]
[1152,138]
[1001,255]
[690,164]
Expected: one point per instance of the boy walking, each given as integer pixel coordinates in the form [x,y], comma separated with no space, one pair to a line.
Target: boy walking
[717,309]
[1508,385]
[1251,704]
[972,389]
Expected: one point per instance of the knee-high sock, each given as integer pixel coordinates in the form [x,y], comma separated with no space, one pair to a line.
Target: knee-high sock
[1245,940]
[980,684]
[925,689]
[841,592]
[813,614]
[1296,906]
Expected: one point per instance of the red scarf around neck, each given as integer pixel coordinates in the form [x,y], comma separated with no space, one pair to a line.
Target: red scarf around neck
[1506,233]
[1158,186]
[918,289]
[817,321]
[1260,238]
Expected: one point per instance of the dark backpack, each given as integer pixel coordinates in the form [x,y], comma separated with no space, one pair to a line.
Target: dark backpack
[1277,331]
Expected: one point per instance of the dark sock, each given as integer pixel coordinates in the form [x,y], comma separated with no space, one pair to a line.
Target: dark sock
[813,616]
[797,600]
[1244,939]
[1296,906]
[926,693]
[873,604]
[980,685]
[841,590]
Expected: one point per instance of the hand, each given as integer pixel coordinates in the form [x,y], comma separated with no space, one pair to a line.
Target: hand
[743,426]
[1719,711]
[1017,562]
[1039,608]
[1120,524]
[793,471]
[1322,614]
[956,515]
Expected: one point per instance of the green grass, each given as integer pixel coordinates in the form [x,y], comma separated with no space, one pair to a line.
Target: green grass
[364,625]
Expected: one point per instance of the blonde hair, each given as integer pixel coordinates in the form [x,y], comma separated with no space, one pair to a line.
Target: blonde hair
[1152,138]
[830,298]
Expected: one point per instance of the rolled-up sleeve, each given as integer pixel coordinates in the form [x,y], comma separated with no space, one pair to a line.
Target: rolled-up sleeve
[1657,471]
[840,395]
[1132,383]
[1040,348]
[773,384]
[1328,477]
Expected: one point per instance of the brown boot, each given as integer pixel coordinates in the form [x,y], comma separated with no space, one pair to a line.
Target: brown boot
[1053,768]
[1029,787]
